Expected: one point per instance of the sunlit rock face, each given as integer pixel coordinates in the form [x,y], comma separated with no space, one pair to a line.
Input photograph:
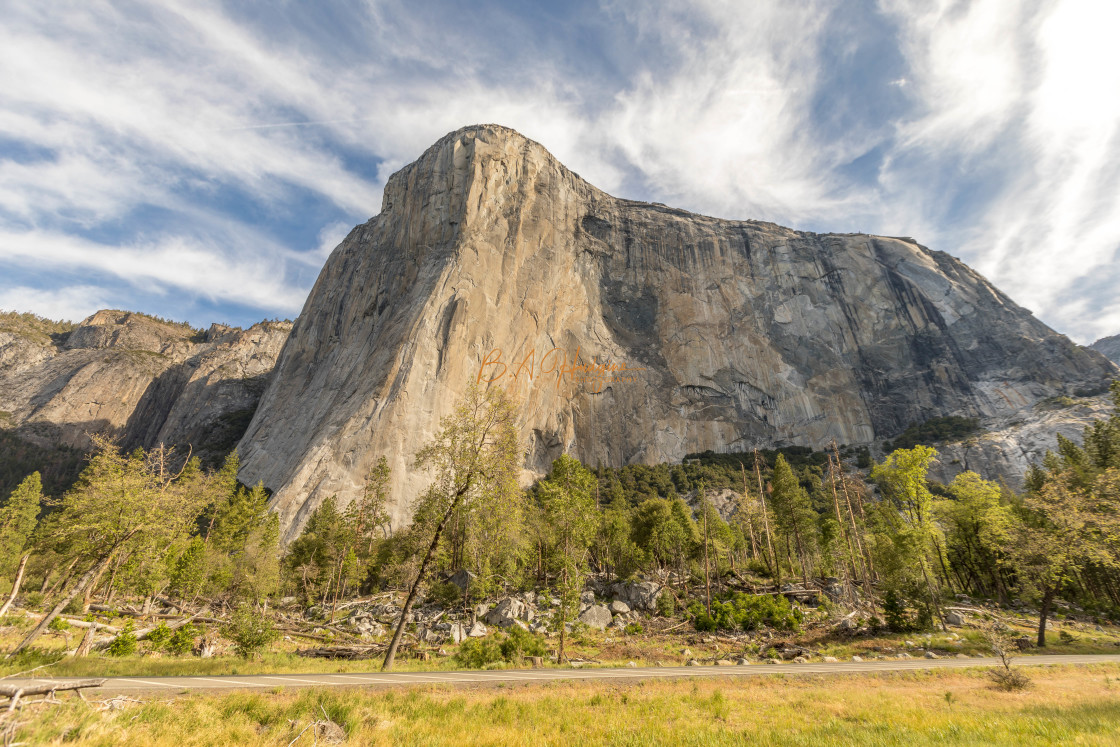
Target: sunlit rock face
[138,379]
[490,256]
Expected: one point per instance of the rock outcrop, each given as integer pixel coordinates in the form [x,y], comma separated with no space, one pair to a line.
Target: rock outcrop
[1109,347]
[1009,443]
[143,380]
[491,260]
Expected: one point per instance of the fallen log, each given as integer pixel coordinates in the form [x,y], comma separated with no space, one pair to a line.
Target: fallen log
[351,653]
[18,691]
[78,622]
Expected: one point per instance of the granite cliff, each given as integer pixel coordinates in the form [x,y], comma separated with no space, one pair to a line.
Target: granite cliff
[1109,347]
[140,379]
[671,332]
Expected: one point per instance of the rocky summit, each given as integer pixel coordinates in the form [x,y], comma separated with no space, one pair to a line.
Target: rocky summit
[631,332]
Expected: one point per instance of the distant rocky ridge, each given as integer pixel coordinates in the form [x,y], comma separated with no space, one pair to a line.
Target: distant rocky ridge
[1109,347]
[140,379]
[720,334]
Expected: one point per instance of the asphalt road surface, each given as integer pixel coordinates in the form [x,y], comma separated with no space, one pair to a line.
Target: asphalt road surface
[182,685]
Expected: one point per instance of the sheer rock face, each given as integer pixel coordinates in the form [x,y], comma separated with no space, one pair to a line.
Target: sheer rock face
[733,333]
[140,379]
[1109,347]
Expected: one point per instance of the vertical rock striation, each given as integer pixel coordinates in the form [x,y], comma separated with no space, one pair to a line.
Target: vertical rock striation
[488,254]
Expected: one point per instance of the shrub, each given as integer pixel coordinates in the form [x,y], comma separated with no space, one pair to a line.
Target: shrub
[1003,646]
[634,629]
[159,637]
[746,612]
[520,643]
[1066,637]
[32,599]
[182,640]
[1008,679]
[446,594]
[250,630]
[74,607]
[125,642]
[894,613]
[476,653]
[666,604]
[904,613]
[58,625]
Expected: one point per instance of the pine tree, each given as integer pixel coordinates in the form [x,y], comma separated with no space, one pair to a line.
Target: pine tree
[18,518]
[792,511]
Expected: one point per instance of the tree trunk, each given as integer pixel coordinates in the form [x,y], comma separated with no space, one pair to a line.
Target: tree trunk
[78,588]
[933,598]
[564,597]
[1043,613]
[707,572]
[747,513]
[87,641]
[62,579]
[777,567]
[16,584]
[92,585]
[391,654]
[800,554]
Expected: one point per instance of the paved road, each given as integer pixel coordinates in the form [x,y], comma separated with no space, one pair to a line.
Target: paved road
[181,685]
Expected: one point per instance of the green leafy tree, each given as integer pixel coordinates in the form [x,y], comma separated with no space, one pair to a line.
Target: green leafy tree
[567,497]
[321,557]
[251,631]
[912,534]
[793,512]
[188,577]
[1070,524]
[474,458]
[979,525]
[17,521]
[666,531]
[121,504]
[18,518]
[614,546]
[370,509]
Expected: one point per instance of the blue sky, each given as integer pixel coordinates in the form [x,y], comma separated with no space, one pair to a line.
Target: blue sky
[200,160]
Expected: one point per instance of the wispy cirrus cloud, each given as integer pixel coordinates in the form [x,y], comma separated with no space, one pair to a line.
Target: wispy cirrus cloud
[207,155]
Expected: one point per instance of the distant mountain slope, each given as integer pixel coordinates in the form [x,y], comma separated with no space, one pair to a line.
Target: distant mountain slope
[141,379]
[1109,347]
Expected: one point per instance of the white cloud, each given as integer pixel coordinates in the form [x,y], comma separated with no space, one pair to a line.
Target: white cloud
[725,132]
[155,267]
[1034,88]
[72,303]
[171,105]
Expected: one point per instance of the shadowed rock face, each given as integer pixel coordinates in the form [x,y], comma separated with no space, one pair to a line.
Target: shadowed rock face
[733,333]
[137,378]
[1109,347]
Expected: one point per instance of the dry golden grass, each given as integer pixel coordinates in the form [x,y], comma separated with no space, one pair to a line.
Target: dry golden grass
[1065,705]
